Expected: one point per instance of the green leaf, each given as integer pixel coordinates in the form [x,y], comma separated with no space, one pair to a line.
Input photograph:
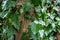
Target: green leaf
[10,4]
[5,14]
[0,8]
[36,3]
[15,21]
[38,27]
[27,6]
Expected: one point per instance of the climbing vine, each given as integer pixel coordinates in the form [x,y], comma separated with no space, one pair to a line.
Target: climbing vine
[44,25]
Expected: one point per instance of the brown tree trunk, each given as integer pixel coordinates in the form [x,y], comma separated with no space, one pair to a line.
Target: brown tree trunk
[24,24]
[57,36]
[23,28]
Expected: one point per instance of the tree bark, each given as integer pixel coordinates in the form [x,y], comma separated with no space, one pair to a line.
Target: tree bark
[23,27]
[57,36]
[24,24]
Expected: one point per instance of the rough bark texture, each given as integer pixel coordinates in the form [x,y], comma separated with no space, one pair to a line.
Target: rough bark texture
[24,24]
[23,28]
[58,36]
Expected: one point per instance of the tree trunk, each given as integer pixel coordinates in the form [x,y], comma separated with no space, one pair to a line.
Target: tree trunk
[24,24]
[23,27]
[57,36]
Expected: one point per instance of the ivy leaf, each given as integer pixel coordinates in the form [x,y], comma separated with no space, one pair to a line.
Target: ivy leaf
[57,18]
[43,2]
[5,14]
[33,28]
[38,27]
[52,38]
[14,19]
[41,32]
[53,25]
[10,4]
[59,23]
[27,6]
